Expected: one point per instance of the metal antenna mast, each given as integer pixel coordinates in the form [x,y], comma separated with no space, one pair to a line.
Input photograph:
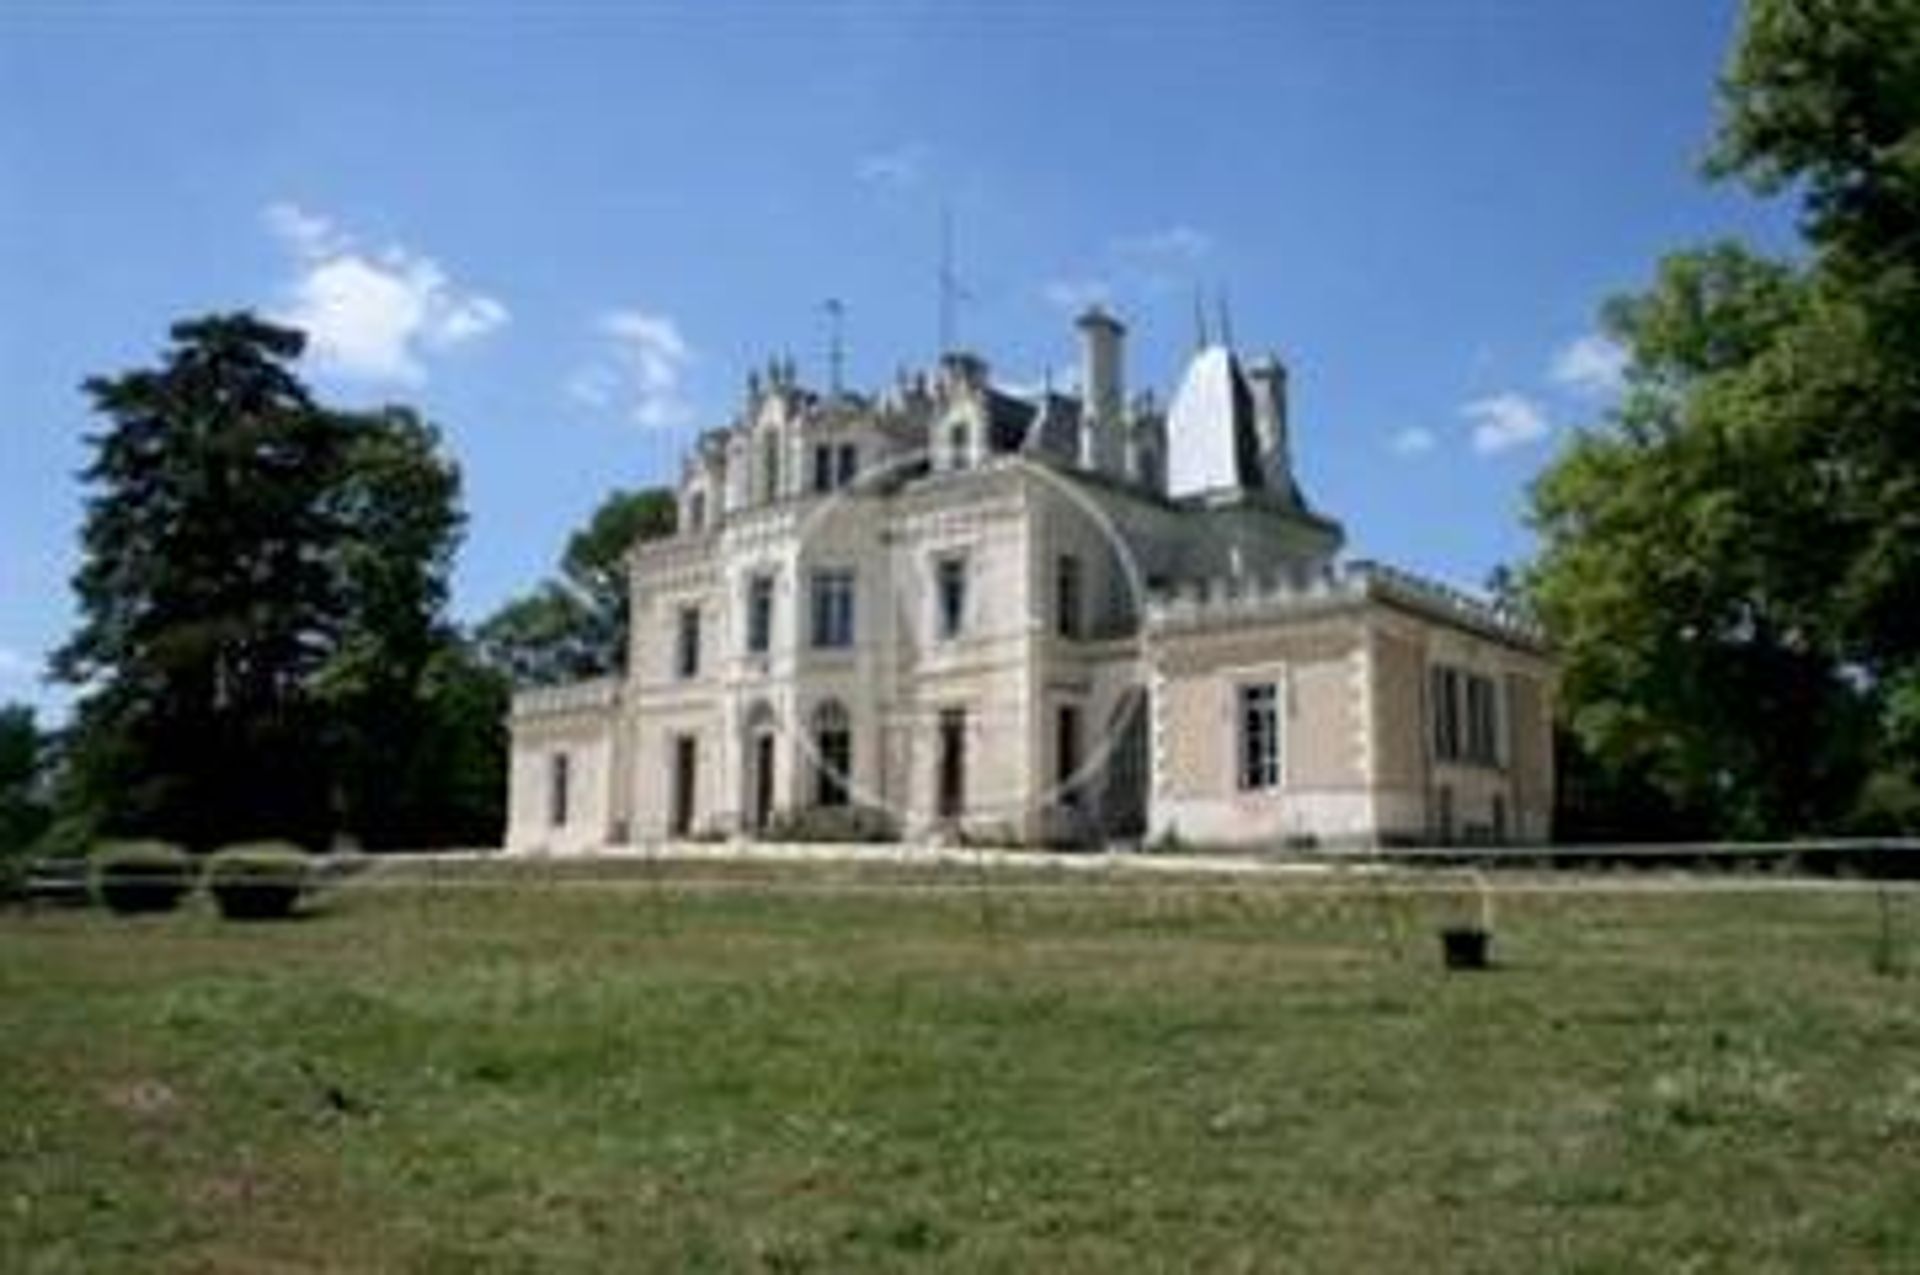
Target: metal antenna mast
[836,345]
[951,293]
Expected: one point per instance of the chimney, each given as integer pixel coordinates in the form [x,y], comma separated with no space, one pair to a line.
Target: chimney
[1101,335]
[1103,392]
[1268,380]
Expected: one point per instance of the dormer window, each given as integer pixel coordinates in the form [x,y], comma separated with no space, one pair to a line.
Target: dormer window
[697,511]
[957,457]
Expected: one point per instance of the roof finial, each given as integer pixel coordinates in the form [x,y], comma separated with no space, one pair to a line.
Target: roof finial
[1226,318]
[1199,320]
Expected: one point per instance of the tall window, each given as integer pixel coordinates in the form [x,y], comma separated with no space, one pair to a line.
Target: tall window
[1466,717]
[832,753]
[1482,722]
[952,778]
[1066,753]
[833,608]
[1445,698]
[847,465]
[823,467]
[686,657]
[685,782]
[957,446]
[1259,736]
[1066,596]
[770,468]
[697,511]
[759,614]
[950,593]
[559,788]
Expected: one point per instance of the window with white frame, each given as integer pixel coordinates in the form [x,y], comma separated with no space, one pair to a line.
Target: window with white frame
[686,653]
[759,614]
[1464,709]
[559,789]
[1067,600]
[950,595]
[1259,726]
[832,597]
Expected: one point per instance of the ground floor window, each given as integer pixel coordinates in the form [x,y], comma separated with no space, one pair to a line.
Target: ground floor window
[685,786]
[832,754]
[1066,753]
[952,778]
[559,788]
[1259,718]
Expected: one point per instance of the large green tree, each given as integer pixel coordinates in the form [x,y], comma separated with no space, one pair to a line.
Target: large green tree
[262,591]
[575,626]
[208,597]
[1731,563]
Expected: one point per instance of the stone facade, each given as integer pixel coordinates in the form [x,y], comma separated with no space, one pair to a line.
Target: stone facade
[1060,619]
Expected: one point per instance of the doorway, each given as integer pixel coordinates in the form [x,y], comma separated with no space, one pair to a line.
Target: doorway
[680,811]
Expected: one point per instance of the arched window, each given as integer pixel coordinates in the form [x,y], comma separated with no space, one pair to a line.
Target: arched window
[832,753]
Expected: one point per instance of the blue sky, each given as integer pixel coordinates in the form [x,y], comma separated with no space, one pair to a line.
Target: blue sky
[566,231]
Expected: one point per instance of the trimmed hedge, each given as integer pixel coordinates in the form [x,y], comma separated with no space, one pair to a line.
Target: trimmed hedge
[258,881]
[833,824]
[131,877]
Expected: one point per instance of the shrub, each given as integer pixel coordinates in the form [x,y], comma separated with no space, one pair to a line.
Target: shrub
[834,823]
[259,881]
[141,876]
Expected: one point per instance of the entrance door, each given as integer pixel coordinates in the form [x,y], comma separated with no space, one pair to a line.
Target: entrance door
[762,810]
[680,818]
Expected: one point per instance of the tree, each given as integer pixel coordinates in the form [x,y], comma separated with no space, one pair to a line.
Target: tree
[397,503]
[24,810]
[264,650]
[1731,563]
[576,626]
[207,595]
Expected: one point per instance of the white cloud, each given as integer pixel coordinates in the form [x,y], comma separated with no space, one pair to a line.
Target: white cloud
[1415,440]
[1075,295]
[641,369]
[373,316]
[1592,364]
[1171,244]
[895,169]
[1503,421]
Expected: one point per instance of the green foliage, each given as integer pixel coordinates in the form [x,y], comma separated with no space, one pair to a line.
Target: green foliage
[141,876]
[263,591]
[24,806]
[575,627]
[262,881]
[850,823]
[1730,565]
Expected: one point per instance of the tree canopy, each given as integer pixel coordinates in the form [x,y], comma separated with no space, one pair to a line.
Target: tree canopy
[262,593]
[1730,564]
[575,626]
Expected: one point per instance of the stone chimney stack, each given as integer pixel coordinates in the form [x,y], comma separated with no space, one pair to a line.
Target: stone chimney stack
[1103,392]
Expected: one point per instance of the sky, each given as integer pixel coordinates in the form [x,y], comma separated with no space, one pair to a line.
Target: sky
[567,231]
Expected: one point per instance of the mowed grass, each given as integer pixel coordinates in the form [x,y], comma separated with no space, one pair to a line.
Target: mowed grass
[844,1073]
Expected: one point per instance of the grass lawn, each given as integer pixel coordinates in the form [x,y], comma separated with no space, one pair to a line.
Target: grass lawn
[821,1072]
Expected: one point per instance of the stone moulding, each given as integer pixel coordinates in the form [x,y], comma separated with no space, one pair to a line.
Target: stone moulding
[1212,602]
[573,697]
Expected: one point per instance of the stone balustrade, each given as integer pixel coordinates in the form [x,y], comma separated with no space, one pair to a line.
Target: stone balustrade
[573,697]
